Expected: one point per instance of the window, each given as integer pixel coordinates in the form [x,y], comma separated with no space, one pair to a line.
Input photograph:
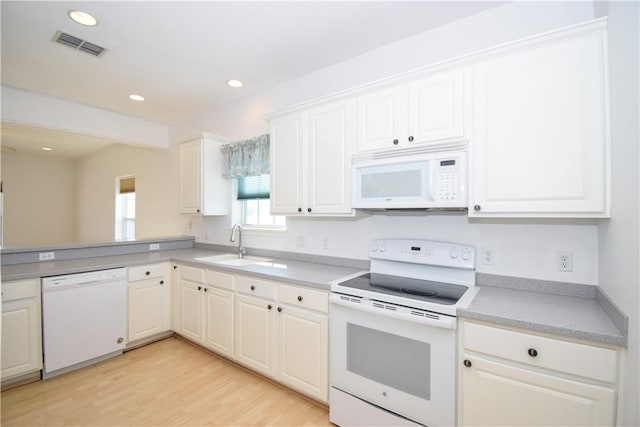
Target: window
[253,193]
[126,208]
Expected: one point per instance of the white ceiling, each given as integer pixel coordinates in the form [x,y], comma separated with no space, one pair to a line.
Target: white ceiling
[179,55]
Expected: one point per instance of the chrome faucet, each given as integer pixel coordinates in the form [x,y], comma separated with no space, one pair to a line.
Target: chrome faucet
[241,250]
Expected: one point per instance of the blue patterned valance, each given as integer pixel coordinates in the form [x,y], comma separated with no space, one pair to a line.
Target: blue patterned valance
[246,158]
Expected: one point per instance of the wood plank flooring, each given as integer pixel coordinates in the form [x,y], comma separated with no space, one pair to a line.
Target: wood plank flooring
[167,383]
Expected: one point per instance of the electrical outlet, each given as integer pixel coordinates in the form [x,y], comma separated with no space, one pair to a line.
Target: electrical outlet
[325,243]
[564,261]
[488,257]
[46,256]
[154,246]
[300,242]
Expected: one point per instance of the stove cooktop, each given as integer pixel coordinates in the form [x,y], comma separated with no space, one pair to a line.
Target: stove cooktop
[415,289]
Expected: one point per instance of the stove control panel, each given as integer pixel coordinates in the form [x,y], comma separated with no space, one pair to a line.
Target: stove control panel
[424,252]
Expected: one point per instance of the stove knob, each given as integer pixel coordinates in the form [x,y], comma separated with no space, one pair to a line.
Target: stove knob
[454,253]
[466,254]
[383,247]
[374,248]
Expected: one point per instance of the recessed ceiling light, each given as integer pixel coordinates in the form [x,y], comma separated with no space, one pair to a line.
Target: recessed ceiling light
[47,149]
[83,18]
[135,97]
[235,83]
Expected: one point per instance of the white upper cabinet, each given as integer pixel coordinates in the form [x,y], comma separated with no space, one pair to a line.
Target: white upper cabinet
[381,119]
[424,110]
[286,164]
[204,190]
[311,161]
[540,136]
[436,107]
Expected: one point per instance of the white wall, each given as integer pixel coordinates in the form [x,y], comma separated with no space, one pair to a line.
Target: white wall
[157,210]
[619,237]
[522,248]
[38,199]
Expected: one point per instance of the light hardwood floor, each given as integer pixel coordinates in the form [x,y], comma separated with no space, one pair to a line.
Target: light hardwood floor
[167,383]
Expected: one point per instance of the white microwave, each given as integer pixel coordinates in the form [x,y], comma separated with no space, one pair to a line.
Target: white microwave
[425,181]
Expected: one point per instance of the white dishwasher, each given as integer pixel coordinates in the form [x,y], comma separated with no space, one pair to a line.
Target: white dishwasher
[84,319]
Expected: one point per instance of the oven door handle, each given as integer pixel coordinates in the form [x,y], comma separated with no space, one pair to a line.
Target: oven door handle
[442,321]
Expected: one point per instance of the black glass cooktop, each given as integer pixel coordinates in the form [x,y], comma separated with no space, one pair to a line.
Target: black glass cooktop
[423,290]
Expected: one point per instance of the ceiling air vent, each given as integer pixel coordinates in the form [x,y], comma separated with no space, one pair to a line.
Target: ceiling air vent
[78,43]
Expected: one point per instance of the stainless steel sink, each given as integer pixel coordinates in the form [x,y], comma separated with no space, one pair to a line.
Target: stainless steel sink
[232,259]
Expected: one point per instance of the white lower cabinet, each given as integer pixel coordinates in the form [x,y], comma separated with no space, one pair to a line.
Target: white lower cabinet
[205,308]
[278,330]
[218,312]
[21,328]
[303,344]
[255,324]
[510,377]
[149,300]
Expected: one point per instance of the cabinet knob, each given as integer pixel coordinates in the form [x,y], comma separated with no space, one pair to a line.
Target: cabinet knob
[532,352]
[198,210]
[147,273]
[162,282]
[253,288]
[299,298]
[308,209]
[199,288]
[175,267]
[395,142]
[279,309]
[477,208]
[299,209]
[120,340]
[206,289]
[269,306]
[410,139]
[467,363]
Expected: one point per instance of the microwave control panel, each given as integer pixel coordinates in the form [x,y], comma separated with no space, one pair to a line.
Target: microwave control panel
[448,178]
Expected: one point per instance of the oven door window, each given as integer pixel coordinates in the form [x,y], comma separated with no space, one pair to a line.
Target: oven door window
[392,360]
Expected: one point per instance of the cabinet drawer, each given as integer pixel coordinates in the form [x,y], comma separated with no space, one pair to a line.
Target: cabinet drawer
[20,289]
[303,297]
[144,272]
[193,274]
[219,280]
[257,287]
[549,353]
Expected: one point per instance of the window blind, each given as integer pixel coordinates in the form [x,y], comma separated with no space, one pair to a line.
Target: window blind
[128,185]
[253,187]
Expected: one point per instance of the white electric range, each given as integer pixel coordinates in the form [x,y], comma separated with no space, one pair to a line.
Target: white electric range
[393,340]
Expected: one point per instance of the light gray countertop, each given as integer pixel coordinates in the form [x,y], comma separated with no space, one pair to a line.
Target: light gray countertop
[541,306]
[293,271]
[569,316]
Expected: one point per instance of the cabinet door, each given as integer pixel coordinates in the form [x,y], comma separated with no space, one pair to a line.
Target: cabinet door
[145,309]
[436,108]
[539,132]
[381,119]
[219,320]
[329,158]
[21,337]
[496,394]
[191,177]
[286,164]
[303,350]
[190,312]
[254,334]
